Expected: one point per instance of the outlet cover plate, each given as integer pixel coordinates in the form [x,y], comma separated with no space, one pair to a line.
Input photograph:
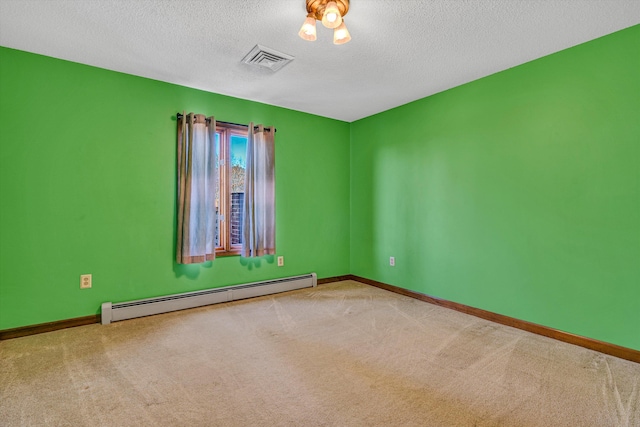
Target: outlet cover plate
[85,281]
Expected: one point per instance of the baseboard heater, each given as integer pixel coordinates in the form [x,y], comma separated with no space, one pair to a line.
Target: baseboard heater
[112,312]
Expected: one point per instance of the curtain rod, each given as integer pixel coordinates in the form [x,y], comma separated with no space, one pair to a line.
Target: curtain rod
[179,116]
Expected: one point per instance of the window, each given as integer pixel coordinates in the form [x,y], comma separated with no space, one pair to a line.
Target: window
[226,189]
[231,148]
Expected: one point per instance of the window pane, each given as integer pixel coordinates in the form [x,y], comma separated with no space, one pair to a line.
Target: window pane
[238,153]
[217,143]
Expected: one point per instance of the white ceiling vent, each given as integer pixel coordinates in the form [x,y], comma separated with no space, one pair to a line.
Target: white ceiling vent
[264,57]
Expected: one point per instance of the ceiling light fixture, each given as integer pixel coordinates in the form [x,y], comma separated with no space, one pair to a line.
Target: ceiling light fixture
[331,13]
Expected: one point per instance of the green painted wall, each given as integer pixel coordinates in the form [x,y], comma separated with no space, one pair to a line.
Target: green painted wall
[87,171]
[518,193]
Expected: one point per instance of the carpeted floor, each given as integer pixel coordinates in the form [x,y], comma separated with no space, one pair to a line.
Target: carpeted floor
[342,354]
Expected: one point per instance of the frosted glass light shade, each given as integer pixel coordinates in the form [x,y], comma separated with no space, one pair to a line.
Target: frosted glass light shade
[331,17]
[308,30]
[341,34]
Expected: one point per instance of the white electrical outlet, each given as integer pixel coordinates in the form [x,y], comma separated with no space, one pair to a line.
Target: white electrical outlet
[280,261]
[85,281]
[392,261]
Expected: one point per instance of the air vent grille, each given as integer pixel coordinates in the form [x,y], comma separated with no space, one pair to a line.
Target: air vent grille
[264,57]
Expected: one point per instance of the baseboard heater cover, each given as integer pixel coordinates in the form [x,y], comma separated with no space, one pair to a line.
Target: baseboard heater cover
[112,312]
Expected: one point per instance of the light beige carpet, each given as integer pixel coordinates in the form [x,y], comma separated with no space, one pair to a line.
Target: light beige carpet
[343,354]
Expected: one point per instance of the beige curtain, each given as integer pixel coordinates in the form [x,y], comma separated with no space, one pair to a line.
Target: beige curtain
[197,177]
[259,221]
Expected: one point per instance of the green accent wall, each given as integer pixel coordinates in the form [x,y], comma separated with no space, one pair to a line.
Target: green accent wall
[87,185]
[518,193]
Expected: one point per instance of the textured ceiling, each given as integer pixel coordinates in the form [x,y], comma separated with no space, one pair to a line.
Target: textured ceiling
[400,51]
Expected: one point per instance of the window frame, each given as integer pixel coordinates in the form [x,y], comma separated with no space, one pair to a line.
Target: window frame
[226,132]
